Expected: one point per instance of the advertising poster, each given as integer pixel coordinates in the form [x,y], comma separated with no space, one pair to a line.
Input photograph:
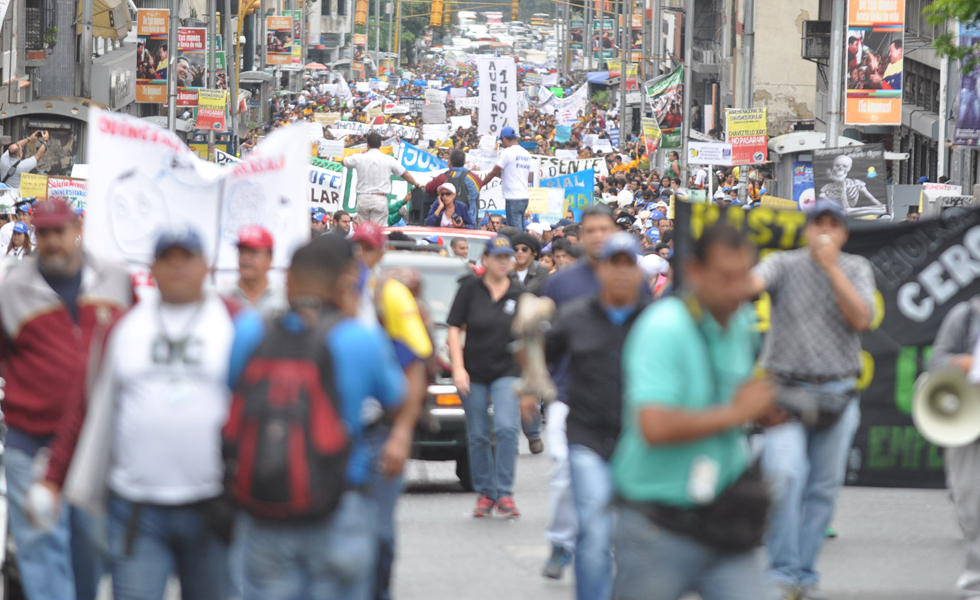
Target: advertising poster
[748,135]
[498,94]
[967,131]
[667,97]
[631,70]
[152,55]
[211,105]
[360,48]
[888,450]
[651,136]
[279,40]
[604,38]
[190,63]
[297,16]
[875,48]
[803,192]
[853,176]
[701,153]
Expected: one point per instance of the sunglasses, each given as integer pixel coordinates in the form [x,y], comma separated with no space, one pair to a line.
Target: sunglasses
[446,194]
[521,249]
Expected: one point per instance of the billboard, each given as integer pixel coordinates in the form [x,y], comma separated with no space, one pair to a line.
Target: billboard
[279,40]
[746,132]
[854,176]
[875,50]
[152,55]
[190,64]
[967,131]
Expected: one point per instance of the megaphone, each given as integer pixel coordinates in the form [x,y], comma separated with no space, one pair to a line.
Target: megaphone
[946,408]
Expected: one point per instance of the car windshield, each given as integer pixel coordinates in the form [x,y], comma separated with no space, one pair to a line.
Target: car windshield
[476,244]
[438,290]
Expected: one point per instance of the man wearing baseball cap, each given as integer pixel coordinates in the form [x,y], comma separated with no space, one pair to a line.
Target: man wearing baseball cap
[23,214]
[825,301]
[592,334]
[514,169]
[52,310]
[449,212]
[254,290]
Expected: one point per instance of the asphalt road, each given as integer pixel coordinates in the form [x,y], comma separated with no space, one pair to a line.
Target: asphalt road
[894,544]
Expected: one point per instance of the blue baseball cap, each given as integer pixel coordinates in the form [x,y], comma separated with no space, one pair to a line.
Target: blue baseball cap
[185,238]
[656,215]
[21,228]
[826,207]
[508,133]
[621,243]
[500,245]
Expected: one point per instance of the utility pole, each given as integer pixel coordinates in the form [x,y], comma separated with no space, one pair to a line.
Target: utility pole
[212,42]
[232,47]
[944,108]
[391,14]
[644,66]
[658,156]
[263,51]
[835,83]
[602,31]
[587,37]
[171,67]
[748,52]
[353,7]
[88,8]
[627,55]
[377,36]
[398,31]
[688,77]
[727,12]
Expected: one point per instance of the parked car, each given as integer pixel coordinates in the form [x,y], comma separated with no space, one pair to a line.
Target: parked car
[441,431]
[477,238]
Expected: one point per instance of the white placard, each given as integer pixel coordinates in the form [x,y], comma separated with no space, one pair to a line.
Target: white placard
[461,122]
[702,153]
[498,94]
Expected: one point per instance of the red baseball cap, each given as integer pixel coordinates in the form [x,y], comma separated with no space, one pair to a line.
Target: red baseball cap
[53,213]
[255,237]
[370,234]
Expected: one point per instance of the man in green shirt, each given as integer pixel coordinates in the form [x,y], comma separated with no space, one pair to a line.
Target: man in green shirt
[682,442]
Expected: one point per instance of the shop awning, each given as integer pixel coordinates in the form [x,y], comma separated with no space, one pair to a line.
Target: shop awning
[110,19]
[597,77]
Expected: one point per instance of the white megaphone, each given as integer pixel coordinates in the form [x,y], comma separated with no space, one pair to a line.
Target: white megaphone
[946,408]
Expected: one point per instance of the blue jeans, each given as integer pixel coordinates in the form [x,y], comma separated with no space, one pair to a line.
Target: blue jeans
[66,562]
[166,539]
[532,428]
[493,472]
[655,564]
[515,210]
[385,491]
[329,559]
[806,469]
[592,492]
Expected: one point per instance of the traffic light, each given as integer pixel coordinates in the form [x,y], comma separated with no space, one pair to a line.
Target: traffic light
[435,19]
[513,10]
[360,12]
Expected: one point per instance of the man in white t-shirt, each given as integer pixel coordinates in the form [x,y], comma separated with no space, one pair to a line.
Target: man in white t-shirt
[374,170]
[700,177]
[13,163]
[514,169]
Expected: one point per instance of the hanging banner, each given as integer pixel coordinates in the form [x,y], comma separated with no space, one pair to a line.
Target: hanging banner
[803,192]
[854,176]
[145,180]
[747,133]
[498,95]
[651,136]
[667,97]
[279,40]
[190,64]
[550,166]
[579,188]
[434,110]
[418,160]
[211,108]
[967,130]
[360,49]
[151,55]
[875,49]
[297,49]
[704,153]
[907,259]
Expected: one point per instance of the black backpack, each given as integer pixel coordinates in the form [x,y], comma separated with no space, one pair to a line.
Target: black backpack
[462,193]
[285,446]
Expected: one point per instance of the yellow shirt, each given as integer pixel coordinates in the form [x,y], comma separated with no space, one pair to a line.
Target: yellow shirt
[401,319]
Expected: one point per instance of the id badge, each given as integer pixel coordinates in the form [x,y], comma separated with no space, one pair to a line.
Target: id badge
[702,483]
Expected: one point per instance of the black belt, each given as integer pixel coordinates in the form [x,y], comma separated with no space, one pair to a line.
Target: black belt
[813,379]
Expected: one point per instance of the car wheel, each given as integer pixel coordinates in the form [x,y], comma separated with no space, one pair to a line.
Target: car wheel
[463,471]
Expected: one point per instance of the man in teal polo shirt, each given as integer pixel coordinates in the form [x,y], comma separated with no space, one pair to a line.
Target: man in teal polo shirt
[682,442]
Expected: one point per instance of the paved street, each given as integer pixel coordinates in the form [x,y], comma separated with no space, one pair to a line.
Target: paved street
[893,544]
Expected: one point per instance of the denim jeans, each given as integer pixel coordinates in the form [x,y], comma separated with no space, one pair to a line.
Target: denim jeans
[166,540]
[532,428]
[493,472]
[329,559]
[515,210]
[385,491]
[655,564]
[592,493]
[806,469]
[563,527]
[66,562]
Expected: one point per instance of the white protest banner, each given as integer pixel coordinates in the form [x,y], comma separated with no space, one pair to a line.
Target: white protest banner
[550,166]
[434,110]
[549,80]
[402,131]
[472,102]
[362,86]
[343,89]
[602,145]
[397,109]
[330,148]
[72,191]
[223,158]
[498,94]
[330,186]
[145,180]
[435,131]
[479,159]
[701,153]
[566,154]
[355,126]
[341,133]
[461,122]
[457,92]
[491,196]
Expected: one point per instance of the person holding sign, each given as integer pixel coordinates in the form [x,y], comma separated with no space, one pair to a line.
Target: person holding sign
[514,169]
[449,212]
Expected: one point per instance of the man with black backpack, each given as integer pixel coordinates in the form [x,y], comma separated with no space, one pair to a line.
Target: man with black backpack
[297,462]
[466,183]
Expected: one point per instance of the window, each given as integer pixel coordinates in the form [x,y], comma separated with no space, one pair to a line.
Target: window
[916,23]
[341,7]
[921,85]
[39,18]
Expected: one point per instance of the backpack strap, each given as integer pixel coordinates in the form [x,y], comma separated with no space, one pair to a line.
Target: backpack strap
[10,173]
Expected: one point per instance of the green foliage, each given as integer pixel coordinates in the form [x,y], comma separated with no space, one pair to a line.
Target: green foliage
[962,11]
[601,98]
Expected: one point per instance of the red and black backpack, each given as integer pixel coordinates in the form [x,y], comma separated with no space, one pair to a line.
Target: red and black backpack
[285,445]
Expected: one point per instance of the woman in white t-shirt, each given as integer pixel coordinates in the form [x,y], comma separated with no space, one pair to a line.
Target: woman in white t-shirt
[20,242]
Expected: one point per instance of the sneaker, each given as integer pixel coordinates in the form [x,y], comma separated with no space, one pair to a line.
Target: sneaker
[507,508]
[830,533]
[812,592]
[537,446]
[560,558]
[484,506]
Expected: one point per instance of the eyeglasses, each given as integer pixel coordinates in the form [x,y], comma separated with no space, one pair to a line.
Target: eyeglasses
[521,249]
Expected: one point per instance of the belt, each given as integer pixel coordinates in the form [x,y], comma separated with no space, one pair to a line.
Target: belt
[809,378]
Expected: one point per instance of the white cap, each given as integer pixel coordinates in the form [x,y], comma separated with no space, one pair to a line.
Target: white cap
[447,186]
[653,265]
[537,228]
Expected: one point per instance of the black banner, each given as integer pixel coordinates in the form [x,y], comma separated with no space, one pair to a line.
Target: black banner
[921,270]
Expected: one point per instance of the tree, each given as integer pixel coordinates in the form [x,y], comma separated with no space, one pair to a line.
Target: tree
[961,11]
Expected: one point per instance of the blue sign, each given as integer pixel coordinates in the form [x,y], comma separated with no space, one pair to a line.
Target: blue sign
[419,161]
[803,192]
[579,188]
[613,136]
[563,133]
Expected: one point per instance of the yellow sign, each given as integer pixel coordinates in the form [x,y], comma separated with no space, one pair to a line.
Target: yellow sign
[778,203]
[537,202]
[33,185]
